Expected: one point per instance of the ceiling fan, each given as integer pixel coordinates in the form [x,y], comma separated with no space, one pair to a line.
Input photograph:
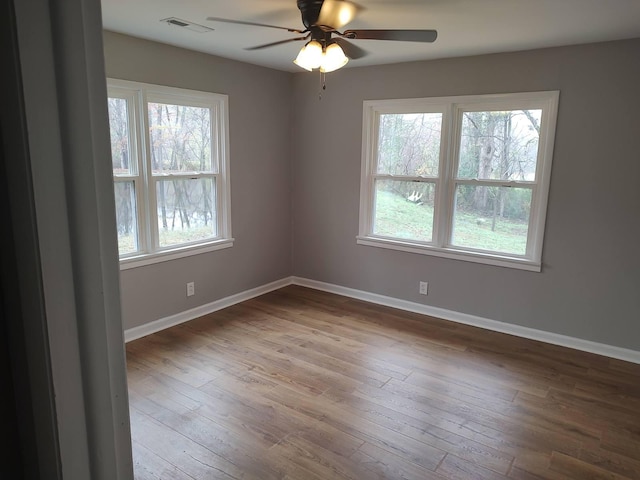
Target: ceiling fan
[328,48]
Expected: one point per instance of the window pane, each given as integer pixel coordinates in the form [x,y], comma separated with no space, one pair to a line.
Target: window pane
[492,218]
[120,141]
[499,145]
[186,210]
[404,210]
[126,217]
[409,144]
[180,138]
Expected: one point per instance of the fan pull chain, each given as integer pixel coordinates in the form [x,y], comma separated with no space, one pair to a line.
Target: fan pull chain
[323,84]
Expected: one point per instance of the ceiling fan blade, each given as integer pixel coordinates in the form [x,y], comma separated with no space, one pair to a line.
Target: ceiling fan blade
[427,36]
[337,13]
[351,50]
[273,44]
[240,22]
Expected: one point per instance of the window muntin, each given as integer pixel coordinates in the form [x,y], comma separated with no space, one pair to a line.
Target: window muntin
[173,177]
[405,175]
[126,168]
[486,199]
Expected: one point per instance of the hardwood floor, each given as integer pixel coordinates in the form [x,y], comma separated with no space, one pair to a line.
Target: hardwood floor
[301,384]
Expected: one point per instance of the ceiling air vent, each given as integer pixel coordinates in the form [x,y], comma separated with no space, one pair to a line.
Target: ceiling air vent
[194,27]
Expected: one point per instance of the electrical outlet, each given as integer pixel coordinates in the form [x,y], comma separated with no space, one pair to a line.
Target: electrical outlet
[424,288]
[191,289]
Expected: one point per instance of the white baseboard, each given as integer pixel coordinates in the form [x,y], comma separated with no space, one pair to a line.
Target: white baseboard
[173,320]
[511,329]
[517,330]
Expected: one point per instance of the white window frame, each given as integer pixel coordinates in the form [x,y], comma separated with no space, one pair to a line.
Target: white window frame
[452,109]
[138,95]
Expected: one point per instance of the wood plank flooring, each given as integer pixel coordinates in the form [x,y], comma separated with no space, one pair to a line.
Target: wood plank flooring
[300,384]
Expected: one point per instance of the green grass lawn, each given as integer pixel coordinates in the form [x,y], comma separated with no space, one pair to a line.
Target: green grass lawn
[399,218]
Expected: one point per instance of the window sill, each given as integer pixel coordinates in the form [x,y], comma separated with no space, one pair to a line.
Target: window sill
[173,254]
[487,259]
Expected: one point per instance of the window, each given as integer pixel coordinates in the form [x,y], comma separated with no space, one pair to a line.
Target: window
[170,159]
[459,177]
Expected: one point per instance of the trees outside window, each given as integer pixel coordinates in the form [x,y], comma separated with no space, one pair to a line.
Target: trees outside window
[171,171]
[461,177]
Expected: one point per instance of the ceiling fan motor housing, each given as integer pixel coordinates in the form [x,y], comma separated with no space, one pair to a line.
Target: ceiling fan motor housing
[310,10]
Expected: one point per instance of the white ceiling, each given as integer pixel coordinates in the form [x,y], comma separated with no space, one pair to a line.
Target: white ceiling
[465,27]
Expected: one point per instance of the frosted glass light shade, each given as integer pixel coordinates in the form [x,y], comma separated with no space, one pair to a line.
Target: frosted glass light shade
[333,58]
[310,56]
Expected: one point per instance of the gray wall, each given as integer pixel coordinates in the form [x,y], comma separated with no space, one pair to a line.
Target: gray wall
[260,120]
[590,283]
[295,173]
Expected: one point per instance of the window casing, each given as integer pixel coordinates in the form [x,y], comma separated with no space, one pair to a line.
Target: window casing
[171,171]
[459,177]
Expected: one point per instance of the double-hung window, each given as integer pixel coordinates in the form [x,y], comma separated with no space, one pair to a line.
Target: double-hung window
[460,177]
[170,161]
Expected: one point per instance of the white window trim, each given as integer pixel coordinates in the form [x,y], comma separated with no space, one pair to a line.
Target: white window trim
[139,94]
[452,108]
[174,254]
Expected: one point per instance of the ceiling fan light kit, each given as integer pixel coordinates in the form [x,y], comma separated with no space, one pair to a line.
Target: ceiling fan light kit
[327,59]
